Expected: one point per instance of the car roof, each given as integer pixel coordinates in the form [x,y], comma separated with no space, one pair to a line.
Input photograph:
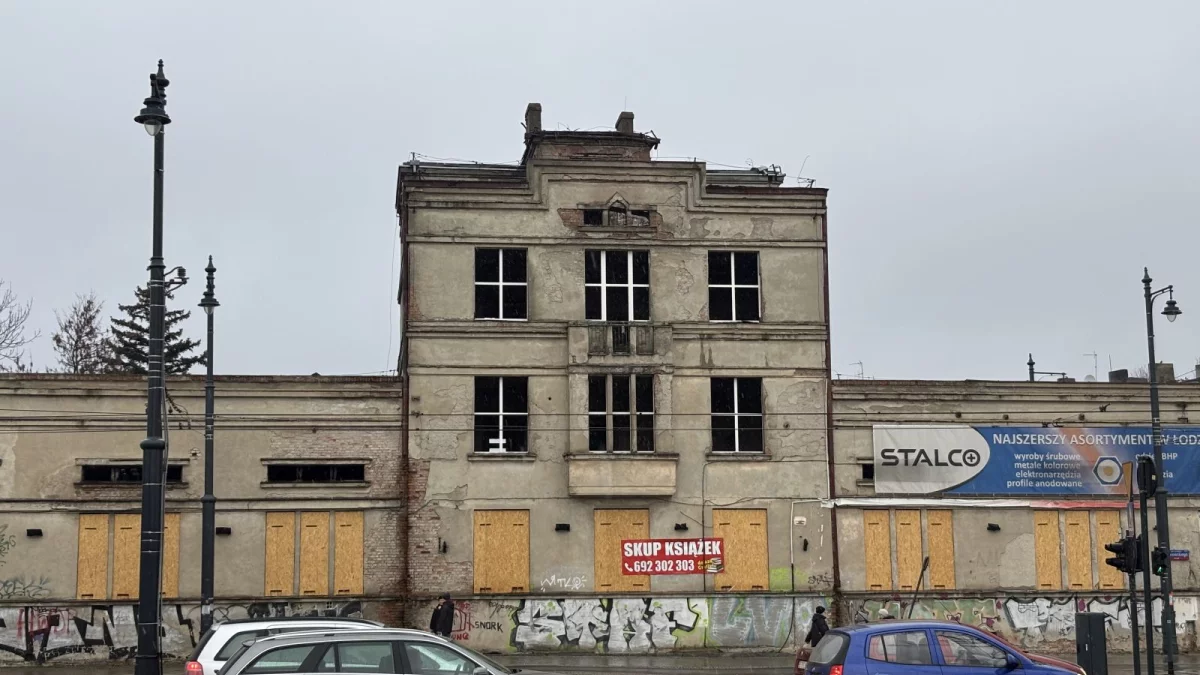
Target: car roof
[890,625]
[287,619]
[349,634]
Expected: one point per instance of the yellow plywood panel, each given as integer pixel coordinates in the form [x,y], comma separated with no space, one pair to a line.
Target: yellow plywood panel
[877,542]
[281,554]
[941,549]
[1047,550]
[91,576]
[1108,530]
[348,553]
[501,551]
[170,566]
[908,549]
[314,553]
[612,527]
[127,545]
[744,532]
[1079,550]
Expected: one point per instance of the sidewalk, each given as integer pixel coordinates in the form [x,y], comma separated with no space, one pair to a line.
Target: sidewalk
[715,664]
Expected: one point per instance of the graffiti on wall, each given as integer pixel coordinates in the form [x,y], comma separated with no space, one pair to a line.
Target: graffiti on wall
[108,632]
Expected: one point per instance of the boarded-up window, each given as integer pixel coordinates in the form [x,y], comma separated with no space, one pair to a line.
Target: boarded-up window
[908,549]
[127,544]
[170,567]
[941,549]
[348,553]
[501,551]
[744,532]
[314,553]
[92,567]
[877,542]
[281,554]
[613,526]
[1047,550]
[1079,551]
[1108,530]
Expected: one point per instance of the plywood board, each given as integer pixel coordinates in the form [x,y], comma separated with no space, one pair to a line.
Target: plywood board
[908,549]
[612,526]
[1079,550]
[281,554]
[1108,530]
[348,553]
[314,553]
[1047,550]
[91,575]
[501,556]
[940,534]
[744,532]
[170,566]
[877,544]
[127,552]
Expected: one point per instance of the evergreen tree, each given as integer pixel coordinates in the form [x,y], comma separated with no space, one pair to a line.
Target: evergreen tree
[130,339]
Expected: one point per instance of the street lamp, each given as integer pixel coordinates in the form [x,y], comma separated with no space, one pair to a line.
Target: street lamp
[1171,311]
[154,448]
[209,501]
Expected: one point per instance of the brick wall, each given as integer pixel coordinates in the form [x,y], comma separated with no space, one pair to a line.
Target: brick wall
[430,573]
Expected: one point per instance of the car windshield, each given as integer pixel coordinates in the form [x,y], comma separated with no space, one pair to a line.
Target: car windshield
[828,648]
[486,661]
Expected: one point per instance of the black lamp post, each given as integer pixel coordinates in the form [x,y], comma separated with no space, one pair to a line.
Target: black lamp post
[154,447]
[1171,311]
[209,501]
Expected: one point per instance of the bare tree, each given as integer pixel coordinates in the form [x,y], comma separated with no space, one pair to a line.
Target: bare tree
[13,337]
[80,341]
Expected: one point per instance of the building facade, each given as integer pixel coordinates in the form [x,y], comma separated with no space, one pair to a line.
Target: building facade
[599,347]
[307,481]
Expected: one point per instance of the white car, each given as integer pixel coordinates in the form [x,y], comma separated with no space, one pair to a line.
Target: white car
[223,639]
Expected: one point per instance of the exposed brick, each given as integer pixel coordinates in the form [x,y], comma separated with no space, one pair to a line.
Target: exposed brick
[429,572]
[571,217]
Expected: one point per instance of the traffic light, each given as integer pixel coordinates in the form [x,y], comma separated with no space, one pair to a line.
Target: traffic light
[1126,558]
[1161,559]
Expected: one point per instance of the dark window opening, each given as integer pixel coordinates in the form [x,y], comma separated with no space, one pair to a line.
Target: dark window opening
[501,284]
[617,285]
[737,414]
[733,286]
[868,471]
[621,413]
[501,414]
[639,218]
[593,217]
[316,473]
[124,473]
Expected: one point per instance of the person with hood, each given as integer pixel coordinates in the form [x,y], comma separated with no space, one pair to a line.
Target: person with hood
[442,621]
[818,629]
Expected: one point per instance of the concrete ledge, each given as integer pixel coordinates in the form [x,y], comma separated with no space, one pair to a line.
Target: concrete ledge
[621,475]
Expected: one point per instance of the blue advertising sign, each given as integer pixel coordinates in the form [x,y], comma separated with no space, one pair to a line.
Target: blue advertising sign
[963,460]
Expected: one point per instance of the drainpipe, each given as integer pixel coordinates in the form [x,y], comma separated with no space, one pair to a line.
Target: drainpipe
[829,450]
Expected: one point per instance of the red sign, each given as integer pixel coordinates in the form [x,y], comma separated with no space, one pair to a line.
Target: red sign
[672,556]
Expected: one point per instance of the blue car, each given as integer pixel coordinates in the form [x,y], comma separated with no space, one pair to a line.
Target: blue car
[911,647]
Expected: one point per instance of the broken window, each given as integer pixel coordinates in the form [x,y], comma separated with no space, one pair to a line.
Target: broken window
[124,473]
[500,284]
[737,414]
[316,473]
[733,283]
[616,215]
[593,217]
[617,285]
[621,413]
[868,472]
[501,414]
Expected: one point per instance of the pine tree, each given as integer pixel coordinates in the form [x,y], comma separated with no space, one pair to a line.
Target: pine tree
[130,339]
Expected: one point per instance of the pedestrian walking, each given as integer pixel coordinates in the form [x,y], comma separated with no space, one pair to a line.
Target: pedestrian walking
[818,628]
[442,621]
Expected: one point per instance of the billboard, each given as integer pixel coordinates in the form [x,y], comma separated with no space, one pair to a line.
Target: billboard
[1040,461]
[672,556]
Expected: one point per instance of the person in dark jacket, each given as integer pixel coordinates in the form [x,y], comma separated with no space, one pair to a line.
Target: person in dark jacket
[818,629]
[442,621]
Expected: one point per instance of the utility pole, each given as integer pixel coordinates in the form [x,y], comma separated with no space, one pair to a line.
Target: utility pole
[208,501]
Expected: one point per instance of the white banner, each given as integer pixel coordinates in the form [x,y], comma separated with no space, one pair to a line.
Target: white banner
[926,459]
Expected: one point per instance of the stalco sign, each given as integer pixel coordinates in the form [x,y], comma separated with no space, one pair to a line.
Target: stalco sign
[672,556]
[963,460]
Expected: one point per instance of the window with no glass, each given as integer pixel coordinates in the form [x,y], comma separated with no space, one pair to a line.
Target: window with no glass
[124,473]
[621,413]
[733,285]
[617,285]
[616,216]
[500,284]
[737,414]
[501,414]
[316,473]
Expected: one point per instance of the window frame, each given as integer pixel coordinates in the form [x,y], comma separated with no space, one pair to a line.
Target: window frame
[635,414]
[500,284]
[332,466]
[880,636]
[334,648]
[403,644]
[937,636]
[314,654]
[737,415]
[500,414]
[114,467]
[733,286]
[629,285]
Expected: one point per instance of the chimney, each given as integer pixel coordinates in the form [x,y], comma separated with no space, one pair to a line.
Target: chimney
[1119,376]
[625,123]
[533,118]
[1165,372]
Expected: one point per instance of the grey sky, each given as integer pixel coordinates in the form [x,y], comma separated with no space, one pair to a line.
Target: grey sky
[998,172]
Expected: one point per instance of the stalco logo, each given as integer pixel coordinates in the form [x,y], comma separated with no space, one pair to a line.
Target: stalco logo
[926,460]
[929,457]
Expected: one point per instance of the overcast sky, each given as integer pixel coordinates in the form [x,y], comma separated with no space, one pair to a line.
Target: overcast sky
[999,173]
